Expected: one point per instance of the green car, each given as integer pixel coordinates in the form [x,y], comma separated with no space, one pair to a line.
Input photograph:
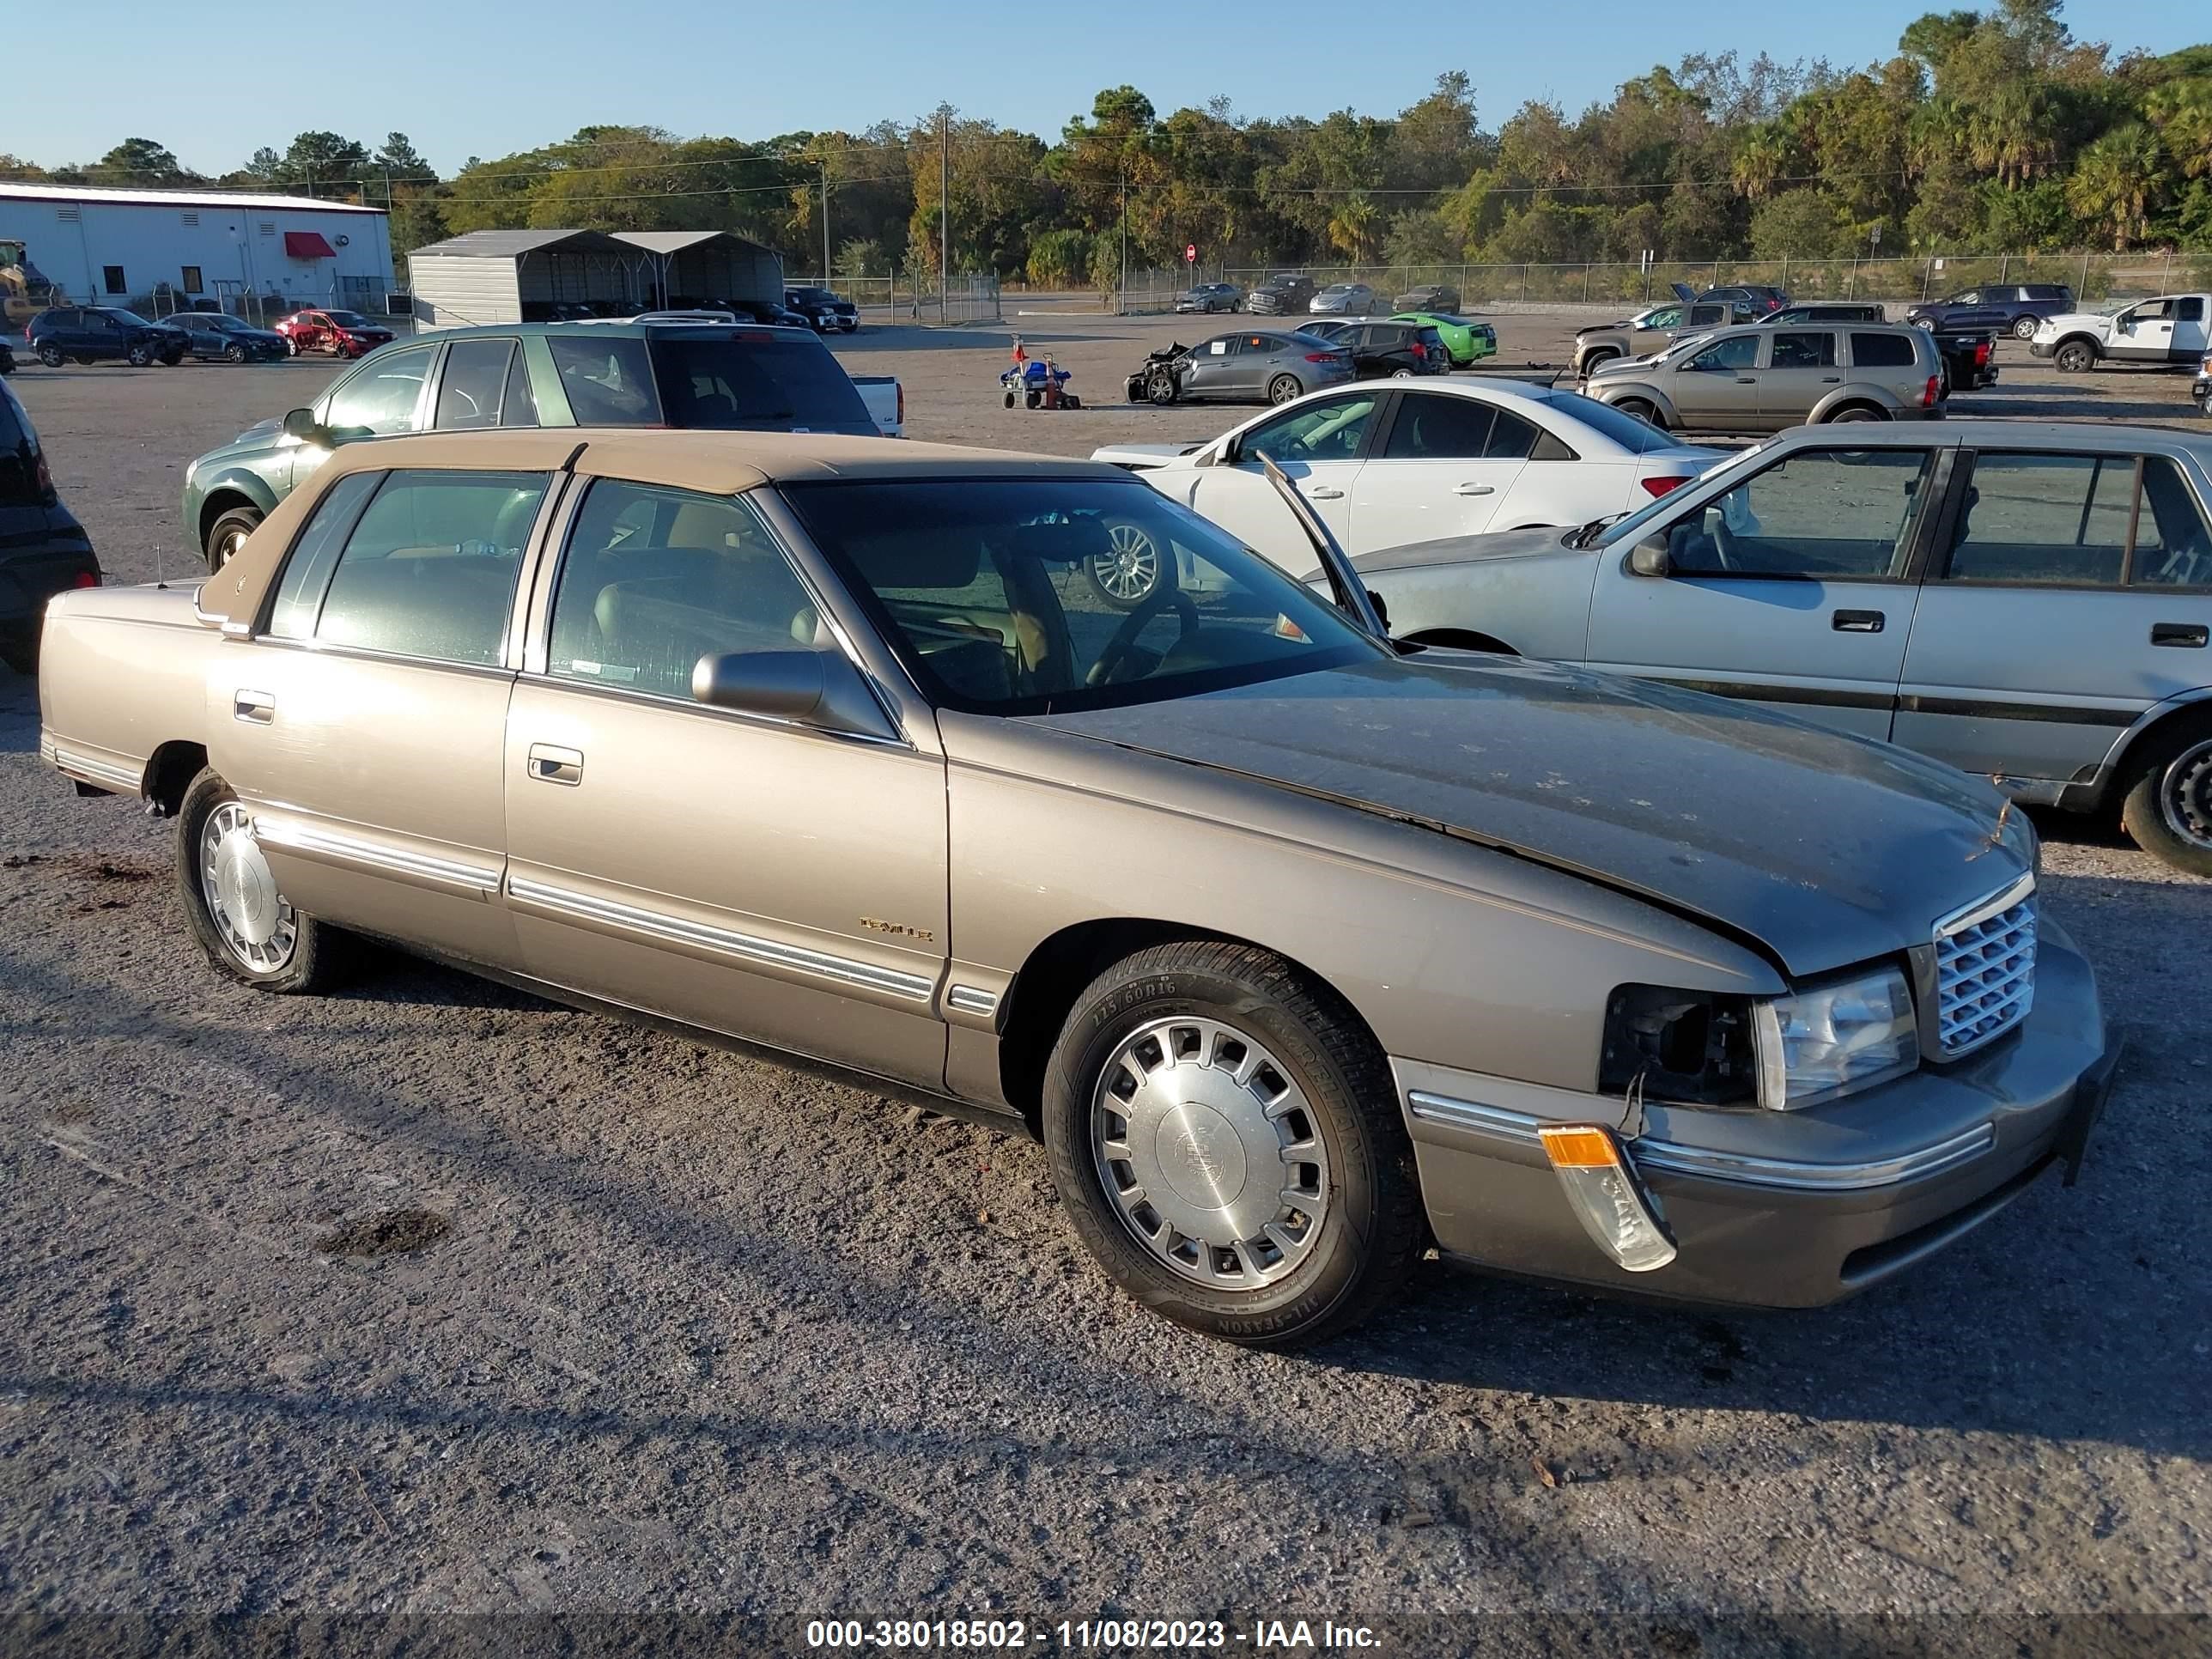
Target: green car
[734,377]
[1466,340]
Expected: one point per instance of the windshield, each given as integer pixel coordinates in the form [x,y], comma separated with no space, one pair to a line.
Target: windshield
[1637,437]
[1628,528]
[1042,595]
[347,319]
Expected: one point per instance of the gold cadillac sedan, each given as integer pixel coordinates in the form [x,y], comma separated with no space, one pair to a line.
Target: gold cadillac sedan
[1302,950]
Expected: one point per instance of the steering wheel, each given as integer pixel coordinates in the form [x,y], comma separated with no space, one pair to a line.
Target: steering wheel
[1117,649]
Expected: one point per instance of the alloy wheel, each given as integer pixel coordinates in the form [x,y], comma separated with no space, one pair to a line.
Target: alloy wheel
[2184,795]
[1210,1153]
[1131,569]
[253,919]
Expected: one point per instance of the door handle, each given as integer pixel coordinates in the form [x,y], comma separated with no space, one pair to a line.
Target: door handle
[1832,379]
[551,765]
[2185,634]
[1857,622]
[258,707]
[1473,489]
[1746,379]
[1326,492]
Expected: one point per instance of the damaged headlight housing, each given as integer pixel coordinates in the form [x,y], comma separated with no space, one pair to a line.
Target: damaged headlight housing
[1707,1048]
[1832,1039]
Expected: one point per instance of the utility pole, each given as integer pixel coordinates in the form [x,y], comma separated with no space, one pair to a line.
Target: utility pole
[944,213]
[825,224]
[1122,296]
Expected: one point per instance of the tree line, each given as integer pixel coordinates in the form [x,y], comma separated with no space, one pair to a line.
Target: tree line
[1994,132]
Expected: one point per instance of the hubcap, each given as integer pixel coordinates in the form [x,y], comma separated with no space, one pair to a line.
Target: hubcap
[2185,796]
[1210,1153]
[1134,566]
[226,548]
[255,922]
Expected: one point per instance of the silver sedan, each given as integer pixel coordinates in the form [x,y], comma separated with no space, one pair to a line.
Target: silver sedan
[1346,299]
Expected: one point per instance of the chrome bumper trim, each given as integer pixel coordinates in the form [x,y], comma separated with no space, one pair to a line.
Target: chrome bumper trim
[106,773]
[1467,1114]
[306,838]
[972,999]
[747,947]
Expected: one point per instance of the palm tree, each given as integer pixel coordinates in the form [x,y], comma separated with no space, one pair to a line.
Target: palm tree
[1763,160]
[2182,110]
[1351,226]
[2116,180]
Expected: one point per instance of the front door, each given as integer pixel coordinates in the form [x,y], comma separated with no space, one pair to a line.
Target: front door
[2143,334]
[756,877]
[363,727]
[2063,609]
[1444,468]
[379,399]
[1321,446]
[1790,590]
[1717,390]
[1214,369]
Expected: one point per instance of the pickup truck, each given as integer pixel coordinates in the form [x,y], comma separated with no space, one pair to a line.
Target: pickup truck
[677,369]
[2167,331]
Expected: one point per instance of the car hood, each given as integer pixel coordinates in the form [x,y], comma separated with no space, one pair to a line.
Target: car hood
[1464,549]
[1824,849]
[2099,322]
[1144,456]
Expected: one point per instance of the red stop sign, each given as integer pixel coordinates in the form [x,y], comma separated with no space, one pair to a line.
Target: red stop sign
[1190,253]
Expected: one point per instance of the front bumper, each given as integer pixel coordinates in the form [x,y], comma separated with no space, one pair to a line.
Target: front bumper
[1768,1209]
[2042,348]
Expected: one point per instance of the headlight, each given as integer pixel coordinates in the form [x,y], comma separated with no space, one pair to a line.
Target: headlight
[1833,1039]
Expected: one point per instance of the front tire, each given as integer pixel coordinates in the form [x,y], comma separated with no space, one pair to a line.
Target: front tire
[228,533]
[140,356]
[1283,388]
[234,354]
[2075,357]
[1162,388]
[2167,810]
[1228,1139]
[1643,409]
[2023,328]
[247,926]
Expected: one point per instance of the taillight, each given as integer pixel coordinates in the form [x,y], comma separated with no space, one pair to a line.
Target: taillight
[45,476]
[901,404]
[1981,352]
[1655,487]
[1320,356]
[86,579]
[1934,390]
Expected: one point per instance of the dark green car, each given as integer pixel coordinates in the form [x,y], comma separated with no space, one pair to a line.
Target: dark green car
[715,376]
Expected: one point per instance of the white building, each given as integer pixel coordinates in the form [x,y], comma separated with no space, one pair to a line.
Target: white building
[125,246]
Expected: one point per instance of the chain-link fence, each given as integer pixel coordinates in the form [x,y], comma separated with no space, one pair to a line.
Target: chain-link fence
[902,299]
[2094,278]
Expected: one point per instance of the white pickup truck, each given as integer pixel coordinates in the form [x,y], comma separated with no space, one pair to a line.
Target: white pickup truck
[2169,331]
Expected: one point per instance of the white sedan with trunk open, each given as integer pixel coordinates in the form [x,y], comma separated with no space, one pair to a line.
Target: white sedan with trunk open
[1390,463]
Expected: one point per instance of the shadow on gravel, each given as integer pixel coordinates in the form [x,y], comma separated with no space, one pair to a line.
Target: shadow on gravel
[2071,1316]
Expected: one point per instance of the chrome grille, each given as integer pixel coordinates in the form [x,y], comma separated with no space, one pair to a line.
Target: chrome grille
[1985,968]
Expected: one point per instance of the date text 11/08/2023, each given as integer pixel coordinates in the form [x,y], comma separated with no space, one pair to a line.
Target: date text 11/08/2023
[1091,1635]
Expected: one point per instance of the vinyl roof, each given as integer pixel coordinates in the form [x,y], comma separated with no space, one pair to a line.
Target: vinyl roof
[91,195]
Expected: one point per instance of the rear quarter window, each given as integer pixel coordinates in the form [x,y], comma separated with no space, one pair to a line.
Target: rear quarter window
[1882,351]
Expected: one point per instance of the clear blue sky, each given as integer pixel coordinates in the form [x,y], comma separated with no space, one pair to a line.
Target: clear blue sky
[465,77]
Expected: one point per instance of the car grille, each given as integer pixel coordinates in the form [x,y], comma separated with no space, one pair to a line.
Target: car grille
[1984,971]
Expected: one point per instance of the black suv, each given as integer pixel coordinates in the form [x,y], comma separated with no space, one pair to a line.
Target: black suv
[823,310]
[1286,295]
[1387,350]
[93,334]
[2012,308]
[43,548]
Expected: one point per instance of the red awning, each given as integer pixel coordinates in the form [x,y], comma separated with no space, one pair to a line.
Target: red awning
[309,244]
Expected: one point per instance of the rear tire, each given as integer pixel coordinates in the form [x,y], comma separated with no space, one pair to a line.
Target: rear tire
[1856,412]
[1269,1086]
[228,533]
[2075,357]
[2023,328]
[2167,810]
[1283,388]
[51,355]
[232,903]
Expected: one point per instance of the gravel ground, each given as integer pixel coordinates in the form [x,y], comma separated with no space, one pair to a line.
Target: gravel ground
[430,1296]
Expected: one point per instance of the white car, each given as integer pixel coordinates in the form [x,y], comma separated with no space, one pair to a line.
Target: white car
[1388,463]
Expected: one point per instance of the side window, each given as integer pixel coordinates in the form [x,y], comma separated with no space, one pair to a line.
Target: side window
[520,407]
[656,579]
[1330,431]
[380,397]
[1882,351]
[2190,310]
[1511,438]
[1807,350]
[429,569]
[469,391]
[1438,429]
[609,381]
[1822,514]
[2037,518]
[307,570]
[1739,351]
[2172,546]
[1668,317]
[1708,316]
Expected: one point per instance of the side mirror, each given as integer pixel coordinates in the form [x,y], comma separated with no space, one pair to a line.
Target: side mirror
[811,688]
[300,423]
[1648,557]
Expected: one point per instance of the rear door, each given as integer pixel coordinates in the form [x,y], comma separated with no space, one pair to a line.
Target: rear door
[2075,592]
[1321,446]
[1801,370]
[1790,590]
[1444,468]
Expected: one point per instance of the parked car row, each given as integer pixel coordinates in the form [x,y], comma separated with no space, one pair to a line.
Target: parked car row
[93,334]
[1602,981]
